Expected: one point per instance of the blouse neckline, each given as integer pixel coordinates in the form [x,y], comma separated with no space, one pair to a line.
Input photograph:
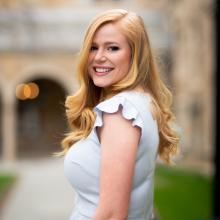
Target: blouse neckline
[135,92]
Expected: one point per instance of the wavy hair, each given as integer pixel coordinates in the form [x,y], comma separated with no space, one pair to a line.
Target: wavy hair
[143,72]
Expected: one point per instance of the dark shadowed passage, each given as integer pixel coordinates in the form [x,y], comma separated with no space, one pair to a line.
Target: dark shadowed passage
[41,121]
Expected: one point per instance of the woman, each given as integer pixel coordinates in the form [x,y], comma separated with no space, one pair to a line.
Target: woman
[120,118]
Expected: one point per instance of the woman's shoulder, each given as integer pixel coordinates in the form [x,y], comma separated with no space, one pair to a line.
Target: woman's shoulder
[135,105]
[135,96]
[125,98]
[129,110]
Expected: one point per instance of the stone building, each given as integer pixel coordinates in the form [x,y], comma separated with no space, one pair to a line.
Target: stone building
[39,41]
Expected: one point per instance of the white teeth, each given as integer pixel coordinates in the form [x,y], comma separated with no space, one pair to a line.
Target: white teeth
[102,70]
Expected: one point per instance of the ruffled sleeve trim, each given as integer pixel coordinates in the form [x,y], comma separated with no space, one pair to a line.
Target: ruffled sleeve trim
[111,105]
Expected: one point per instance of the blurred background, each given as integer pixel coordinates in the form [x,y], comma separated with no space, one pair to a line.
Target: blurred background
[39,42]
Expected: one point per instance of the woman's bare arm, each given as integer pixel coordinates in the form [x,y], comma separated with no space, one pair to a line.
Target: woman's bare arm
[119,142]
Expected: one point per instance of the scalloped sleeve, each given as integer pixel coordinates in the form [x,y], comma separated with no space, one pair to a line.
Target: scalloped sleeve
[129,111]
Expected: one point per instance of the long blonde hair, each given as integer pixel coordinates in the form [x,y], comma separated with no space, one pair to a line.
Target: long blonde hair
[143,72]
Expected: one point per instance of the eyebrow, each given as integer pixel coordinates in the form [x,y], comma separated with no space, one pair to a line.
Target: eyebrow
[106,43]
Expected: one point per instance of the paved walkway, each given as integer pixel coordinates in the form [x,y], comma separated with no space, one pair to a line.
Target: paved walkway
[42,192]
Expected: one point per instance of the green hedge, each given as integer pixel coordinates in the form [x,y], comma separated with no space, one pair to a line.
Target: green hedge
[182,194]
[6,181]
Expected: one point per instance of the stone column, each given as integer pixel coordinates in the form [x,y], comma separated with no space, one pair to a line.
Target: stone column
[9,124]
[193,72]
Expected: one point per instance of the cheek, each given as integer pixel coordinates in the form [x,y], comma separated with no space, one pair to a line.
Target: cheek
[90,59]
[89,64]
[126,57]
[126,63]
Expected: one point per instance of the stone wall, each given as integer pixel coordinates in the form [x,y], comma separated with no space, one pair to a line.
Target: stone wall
[43,37]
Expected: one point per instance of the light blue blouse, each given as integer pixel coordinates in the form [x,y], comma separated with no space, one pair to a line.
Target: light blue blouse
[82,161]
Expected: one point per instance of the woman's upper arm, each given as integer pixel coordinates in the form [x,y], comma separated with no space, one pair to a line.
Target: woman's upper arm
[119,143]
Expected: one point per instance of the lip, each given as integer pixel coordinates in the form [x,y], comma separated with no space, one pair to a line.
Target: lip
[103,67]
[102,73]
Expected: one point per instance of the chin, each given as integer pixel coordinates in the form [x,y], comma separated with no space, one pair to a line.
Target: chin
[100,84]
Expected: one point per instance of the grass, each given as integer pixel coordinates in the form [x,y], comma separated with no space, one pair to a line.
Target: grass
[6,182]
[182,194]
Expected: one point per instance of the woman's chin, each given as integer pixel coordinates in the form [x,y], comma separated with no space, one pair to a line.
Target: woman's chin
[100,84]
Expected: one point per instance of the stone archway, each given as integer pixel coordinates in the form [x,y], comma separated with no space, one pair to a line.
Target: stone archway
[41,121]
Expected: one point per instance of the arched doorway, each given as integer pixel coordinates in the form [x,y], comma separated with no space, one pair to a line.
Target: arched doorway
[41,121]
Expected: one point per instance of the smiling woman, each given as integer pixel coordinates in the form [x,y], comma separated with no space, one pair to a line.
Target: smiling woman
[110,56]
[120,119]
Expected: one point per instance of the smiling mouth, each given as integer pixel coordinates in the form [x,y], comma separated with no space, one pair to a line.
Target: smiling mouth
[102,70]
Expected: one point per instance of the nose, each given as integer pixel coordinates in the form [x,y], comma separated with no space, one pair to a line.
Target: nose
[100,56]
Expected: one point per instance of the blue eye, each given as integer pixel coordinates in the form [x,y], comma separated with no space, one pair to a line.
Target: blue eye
[113,48]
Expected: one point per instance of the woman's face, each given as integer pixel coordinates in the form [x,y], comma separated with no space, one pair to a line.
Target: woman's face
[109,56]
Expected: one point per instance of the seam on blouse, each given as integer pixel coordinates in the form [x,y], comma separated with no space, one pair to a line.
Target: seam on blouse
[120,104]
[119,95]
[149,104]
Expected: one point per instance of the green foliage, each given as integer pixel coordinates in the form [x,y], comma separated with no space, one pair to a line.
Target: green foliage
[182,194]
[6,180]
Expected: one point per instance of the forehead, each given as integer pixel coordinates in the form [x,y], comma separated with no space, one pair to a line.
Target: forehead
[109,33]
